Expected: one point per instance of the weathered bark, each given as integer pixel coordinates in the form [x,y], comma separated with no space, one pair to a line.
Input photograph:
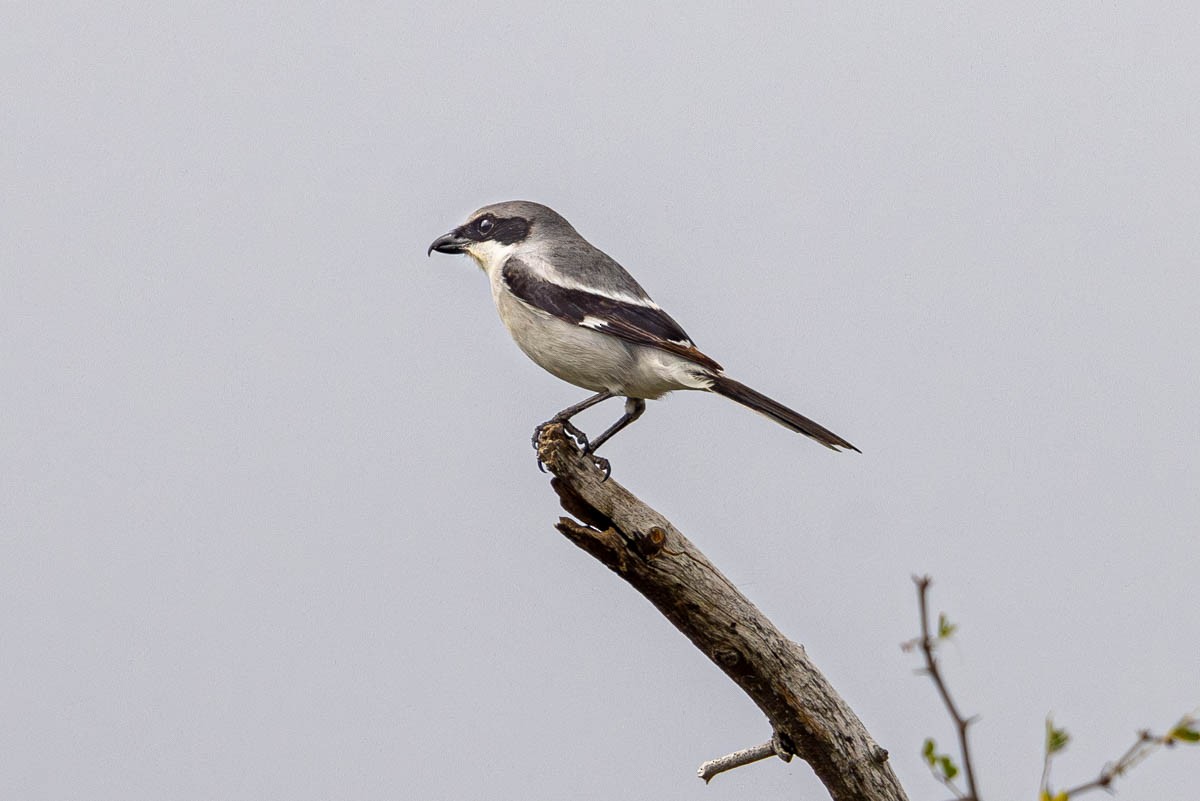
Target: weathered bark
[809,718]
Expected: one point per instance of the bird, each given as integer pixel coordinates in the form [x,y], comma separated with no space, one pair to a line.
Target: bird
[582,317]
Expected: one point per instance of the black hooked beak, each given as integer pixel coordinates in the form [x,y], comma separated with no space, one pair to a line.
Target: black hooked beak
[452,242]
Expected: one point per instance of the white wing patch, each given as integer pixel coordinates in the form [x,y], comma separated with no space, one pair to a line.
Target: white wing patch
[547,271]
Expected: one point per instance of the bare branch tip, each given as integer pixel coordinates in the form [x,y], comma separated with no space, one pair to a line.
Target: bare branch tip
[739,758]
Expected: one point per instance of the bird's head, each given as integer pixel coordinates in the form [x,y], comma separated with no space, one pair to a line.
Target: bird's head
[495,232]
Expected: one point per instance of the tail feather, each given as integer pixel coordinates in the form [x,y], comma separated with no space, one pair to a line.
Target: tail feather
[752,399]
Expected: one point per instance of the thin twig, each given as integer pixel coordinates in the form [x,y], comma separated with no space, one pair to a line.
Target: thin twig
[1136,753]
[1145,744]
[744,757]
[1045,782]
[931,667]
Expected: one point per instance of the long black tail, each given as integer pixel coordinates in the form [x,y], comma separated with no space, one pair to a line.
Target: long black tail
[752,399]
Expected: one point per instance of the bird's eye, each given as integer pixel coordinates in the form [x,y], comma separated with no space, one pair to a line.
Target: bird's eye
[485,225]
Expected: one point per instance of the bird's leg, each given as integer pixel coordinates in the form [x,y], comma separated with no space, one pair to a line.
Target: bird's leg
[563,418]
[633,410]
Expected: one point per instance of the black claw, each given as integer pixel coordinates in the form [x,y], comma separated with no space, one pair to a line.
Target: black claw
[537,432]
[603,465]
[537,435]
[580,438]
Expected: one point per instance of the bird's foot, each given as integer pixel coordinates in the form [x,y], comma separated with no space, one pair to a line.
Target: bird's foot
[580,438]
[585,445]
[601,463]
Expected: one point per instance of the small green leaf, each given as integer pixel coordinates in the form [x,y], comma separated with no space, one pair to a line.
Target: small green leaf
[949,769]
[945,628]
[1184,733]
[928,750]
[1056,739]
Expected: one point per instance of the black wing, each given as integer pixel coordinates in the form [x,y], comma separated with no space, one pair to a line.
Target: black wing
[632,321]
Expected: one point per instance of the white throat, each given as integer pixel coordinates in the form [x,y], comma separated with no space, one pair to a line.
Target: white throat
[490,255]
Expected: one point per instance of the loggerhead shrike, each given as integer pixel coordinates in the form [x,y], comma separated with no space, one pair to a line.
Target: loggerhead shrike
[579,315]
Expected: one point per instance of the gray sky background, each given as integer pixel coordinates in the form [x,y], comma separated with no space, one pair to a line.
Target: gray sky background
[271,525]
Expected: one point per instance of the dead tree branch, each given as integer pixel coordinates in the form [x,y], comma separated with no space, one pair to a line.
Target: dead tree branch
[807,715]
